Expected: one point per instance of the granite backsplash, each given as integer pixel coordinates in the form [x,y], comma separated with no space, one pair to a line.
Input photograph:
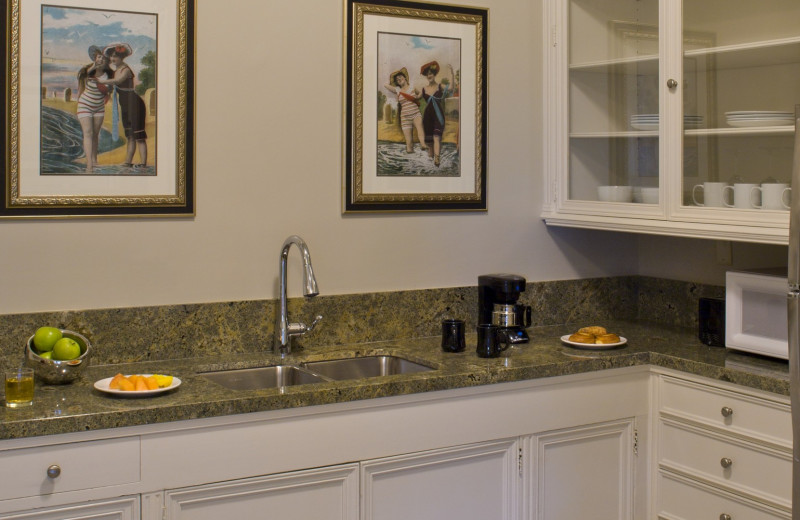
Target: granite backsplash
[212,329]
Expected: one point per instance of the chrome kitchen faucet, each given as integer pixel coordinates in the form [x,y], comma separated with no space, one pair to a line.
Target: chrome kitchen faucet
[285,330]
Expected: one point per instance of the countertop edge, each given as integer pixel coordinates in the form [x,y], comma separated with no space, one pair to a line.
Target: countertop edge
[80,408]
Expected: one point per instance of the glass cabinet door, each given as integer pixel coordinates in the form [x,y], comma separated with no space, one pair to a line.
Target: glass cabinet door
[741,82]
[613,68]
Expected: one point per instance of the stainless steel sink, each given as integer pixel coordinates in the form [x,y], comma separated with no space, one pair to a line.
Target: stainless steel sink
[277,376]
[361,367]
[262,377]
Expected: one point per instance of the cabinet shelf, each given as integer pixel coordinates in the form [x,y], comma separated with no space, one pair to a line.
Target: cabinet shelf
[606,135]
[759,54]
[764,130]
[647,65]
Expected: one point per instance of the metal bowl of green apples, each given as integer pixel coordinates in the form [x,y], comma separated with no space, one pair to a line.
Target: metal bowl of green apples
[57,356]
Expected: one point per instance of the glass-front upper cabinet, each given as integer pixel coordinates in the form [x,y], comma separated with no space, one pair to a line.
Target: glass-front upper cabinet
[741,82]
[671,117]
[613,67]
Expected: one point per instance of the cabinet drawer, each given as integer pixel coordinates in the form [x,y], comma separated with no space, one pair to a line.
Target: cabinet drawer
[83,465]
[125,508]
[754,470]
[681,499]
[739,413]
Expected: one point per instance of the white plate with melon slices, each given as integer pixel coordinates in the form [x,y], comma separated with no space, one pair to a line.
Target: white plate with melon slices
[593,346]
[103,386]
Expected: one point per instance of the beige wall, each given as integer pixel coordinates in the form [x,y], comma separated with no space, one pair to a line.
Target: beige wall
[269,138]
[704,260]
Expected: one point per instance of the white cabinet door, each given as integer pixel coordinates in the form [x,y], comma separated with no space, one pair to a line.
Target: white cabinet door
[477,482]
[319,494]
[583,472]
[120,509]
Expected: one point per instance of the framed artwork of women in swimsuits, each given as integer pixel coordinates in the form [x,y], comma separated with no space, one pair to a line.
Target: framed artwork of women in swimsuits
[420,143]
[100,102]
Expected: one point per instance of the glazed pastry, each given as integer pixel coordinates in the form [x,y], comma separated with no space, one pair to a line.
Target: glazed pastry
[580,337]
[607,338]
[595,330]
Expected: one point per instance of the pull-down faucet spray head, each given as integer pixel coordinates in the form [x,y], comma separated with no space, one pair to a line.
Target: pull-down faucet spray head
[309,280]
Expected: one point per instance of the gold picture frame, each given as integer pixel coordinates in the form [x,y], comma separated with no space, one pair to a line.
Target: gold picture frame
[422,145]
[98,125]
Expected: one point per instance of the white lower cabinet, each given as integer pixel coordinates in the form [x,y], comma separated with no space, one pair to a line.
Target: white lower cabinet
[721,452]
[583,472]
[464,454]
[624,444]
[126,508]
[477,482]
[473,482]
[76,480]
[320,494]
[586,471]
[460,454]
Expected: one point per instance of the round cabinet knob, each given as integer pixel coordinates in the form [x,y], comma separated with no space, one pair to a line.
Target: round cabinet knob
[671,84]
[54,471]
[726,411]
[725,516]
[725,462]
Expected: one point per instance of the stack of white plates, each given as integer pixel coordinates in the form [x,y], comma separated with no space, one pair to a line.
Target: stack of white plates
[650,121]
[750,118]
[644,121]
[690,121]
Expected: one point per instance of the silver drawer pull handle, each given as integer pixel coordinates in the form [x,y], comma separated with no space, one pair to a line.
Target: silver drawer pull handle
[725,516]
[54,471]
[726,411]
[725,462]
[671,84]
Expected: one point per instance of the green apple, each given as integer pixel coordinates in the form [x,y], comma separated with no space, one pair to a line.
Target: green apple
[46,355]
[45,338]
[66,349]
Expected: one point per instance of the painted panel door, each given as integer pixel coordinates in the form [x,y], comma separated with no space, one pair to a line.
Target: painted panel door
[319,494]
[477,482]
[583,472]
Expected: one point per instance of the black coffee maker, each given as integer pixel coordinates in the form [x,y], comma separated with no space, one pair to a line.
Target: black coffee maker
[497,305]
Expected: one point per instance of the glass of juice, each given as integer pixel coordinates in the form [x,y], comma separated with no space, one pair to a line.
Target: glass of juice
[19,387]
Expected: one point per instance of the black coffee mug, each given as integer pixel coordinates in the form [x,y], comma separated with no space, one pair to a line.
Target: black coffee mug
[453,336]
[492,340]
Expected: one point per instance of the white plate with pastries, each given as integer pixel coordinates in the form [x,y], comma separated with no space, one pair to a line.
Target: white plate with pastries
[593,346]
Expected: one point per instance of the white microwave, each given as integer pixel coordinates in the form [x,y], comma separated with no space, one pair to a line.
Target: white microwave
[756,318]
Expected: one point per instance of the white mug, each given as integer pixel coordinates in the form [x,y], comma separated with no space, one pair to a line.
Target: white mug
[650,195]
[615,193]
[712,194]
[774,195]
[743,195]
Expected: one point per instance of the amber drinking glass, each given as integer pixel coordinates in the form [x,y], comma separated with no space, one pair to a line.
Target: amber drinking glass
[19,387]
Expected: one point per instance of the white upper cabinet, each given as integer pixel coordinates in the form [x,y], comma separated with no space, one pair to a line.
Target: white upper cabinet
[671,117]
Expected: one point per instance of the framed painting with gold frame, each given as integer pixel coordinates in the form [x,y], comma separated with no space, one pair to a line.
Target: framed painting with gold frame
[99,115]
[415,107]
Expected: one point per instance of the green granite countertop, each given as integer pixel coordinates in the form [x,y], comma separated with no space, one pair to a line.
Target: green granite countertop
[79,407]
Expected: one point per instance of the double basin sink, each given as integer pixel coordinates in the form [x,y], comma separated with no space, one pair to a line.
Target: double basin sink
[314,372]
